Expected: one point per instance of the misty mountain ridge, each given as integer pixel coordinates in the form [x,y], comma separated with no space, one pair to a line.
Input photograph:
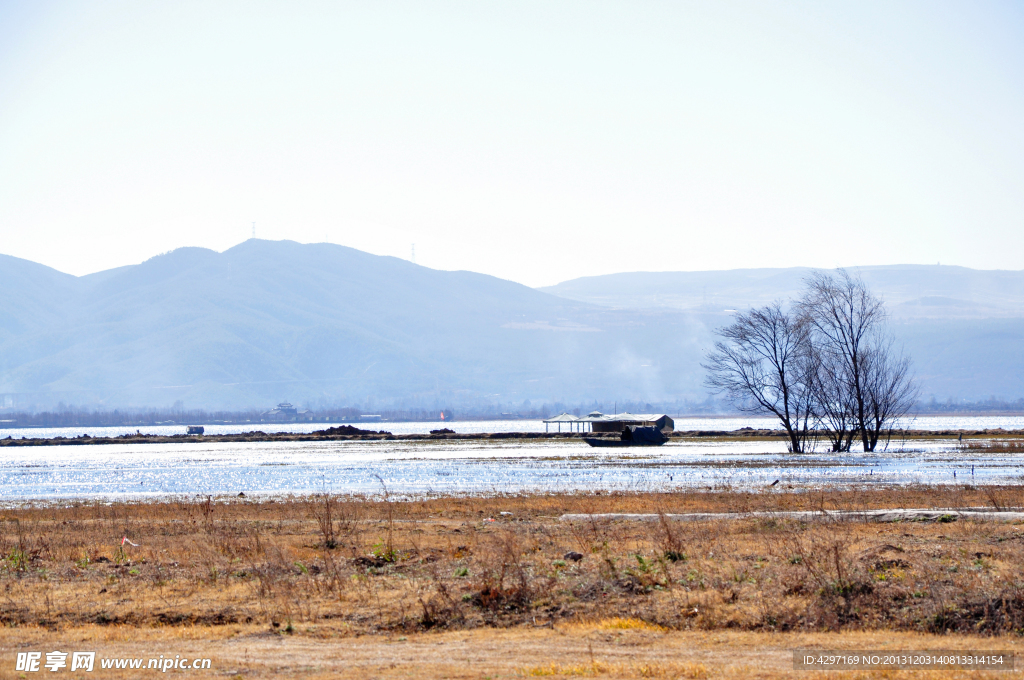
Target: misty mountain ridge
[910,291]
[317,323]
[326,325]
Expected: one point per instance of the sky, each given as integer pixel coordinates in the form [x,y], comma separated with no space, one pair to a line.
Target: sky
[535,141]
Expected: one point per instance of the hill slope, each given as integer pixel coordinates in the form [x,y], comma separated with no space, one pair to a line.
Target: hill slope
[266,321]
[910,291]
[964,328]
[323,324]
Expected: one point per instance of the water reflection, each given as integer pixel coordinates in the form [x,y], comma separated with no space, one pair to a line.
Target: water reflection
[147,470]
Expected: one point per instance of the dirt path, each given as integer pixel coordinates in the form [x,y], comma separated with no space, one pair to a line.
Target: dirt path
[877,516]
[597,650]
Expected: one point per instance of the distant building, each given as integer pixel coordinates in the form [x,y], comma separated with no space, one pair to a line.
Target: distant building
[600,422]
[615,423]
[572,422]
[284,412]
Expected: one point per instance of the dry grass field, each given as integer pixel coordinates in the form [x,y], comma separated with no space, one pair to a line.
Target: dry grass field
[499,586]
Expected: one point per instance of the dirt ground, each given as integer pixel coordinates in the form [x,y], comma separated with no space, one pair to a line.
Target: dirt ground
[611,649]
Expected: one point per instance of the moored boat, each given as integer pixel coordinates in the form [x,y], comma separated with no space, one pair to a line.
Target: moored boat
[635,436]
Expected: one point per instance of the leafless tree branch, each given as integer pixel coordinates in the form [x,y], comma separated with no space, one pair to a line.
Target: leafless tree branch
[761,365]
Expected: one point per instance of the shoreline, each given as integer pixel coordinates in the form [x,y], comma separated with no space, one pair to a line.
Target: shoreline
[321,436]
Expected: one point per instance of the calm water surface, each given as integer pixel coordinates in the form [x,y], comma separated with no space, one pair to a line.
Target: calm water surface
[424,468]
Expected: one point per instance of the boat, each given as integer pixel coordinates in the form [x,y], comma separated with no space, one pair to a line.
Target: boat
[635,436]
[594,441]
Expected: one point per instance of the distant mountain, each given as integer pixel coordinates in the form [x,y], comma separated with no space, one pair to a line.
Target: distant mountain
[963,327]
[325,325]
[32,297]
[321,324]
[910,291]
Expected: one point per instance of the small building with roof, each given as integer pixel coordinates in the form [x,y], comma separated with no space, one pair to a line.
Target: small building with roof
[283,412]
[599,422]
[572,422]
[618,421]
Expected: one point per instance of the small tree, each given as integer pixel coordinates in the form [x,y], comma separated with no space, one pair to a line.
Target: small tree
[762,364]
[890,392]
[831,362]
[862,376]
[834,407]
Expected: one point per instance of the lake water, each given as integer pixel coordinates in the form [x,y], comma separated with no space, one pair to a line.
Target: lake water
[474,426]
[440,467]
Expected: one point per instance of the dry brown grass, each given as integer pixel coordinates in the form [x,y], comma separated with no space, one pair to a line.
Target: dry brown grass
[366,566]
[994,445]
[315,570]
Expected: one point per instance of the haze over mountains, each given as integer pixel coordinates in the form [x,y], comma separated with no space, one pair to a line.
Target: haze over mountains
[319,324]
[326,325]
[910,291]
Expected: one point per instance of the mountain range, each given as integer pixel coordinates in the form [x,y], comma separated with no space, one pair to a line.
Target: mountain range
[910,291]
[324,325]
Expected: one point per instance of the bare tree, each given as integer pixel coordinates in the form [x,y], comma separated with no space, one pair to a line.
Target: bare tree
[761,364]
[890,391]
[834,407]
[860,373]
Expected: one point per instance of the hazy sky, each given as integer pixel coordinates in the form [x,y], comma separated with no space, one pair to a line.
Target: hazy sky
[533,141]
